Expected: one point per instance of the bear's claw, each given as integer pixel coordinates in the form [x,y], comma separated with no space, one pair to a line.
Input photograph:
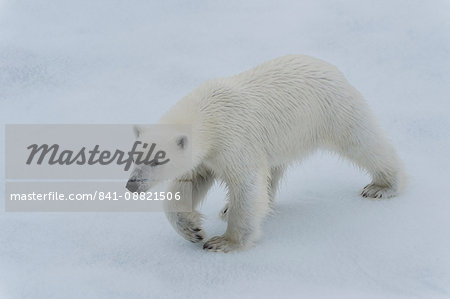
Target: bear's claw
[220,244]
[378,192]
[194,235]
[190,230]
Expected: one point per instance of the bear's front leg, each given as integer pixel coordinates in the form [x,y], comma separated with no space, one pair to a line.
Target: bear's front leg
[276,174]
[182,214]
[248,204]
[187,224]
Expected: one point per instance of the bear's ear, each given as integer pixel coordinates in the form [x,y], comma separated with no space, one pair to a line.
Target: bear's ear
[137,130]
[181,141]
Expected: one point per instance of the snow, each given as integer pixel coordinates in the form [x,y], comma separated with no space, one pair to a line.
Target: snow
[129,61]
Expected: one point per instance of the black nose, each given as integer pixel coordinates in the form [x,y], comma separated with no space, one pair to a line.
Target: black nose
[132,185]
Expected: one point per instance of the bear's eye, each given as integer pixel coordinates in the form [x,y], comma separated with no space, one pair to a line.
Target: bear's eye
[181,142]
[154,163]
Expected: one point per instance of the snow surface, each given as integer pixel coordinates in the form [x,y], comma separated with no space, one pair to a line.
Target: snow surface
[129,61]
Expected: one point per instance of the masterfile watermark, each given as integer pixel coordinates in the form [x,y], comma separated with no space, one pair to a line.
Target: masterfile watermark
[94,156]
[97,195]
[85,168]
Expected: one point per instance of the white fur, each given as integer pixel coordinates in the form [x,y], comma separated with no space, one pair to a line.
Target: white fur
[248,128]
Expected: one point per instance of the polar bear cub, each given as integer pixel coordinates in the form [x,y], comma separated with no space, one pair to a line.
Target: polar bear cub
[245,131]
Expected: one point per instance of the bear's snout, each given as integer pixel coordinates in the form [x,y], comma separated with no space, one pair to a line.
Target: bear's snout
[132,185]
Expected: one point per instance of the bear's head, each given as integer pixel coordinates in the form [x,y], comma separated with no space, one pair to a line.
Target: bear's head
[160,154]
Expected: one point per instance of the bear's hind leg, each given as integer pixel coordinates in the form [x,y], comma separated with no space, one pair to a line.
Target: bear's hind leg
[373,152]
[386,169]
